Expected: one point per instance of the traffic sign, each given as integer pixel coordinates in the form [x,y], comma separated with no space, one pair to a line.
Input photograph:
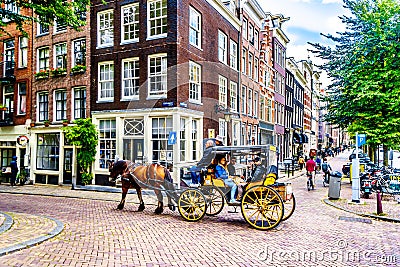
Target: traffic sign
[172,138]
[362,139]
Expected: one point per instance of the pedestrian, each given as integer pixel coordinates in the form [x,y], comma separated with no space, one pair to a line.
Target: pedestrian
[14,170]
[301,163]
[326,168]
[231,167]
[310,168]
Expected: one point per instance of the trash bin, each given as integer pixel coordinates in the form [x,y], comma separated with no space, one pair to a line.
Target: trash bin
[334,185]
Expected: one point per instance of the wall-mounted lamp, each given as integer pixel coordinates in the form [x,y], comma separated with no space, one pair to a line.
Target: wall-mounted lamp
[225,111]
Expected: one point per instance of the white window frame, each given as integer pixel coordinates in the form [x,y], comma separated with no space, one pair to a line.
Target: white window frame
[73,52]
[107,141]
[222,47]
[20,99]
[223,88]
[163,74]
[233,95]
[244,28]
[131,23]
[244,61]
[73,100]
[109,81]
[62,52]
[23,52]
[106,15]
[195,23]
[46,59]
[63,110]
[194,82]
[250,61]
[222,129]
[132,79]
[251,34]
[161,18]
[233,52]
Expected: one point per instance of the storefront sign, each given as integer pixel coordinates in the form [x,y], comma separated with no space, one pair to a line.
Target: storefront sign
[22,140]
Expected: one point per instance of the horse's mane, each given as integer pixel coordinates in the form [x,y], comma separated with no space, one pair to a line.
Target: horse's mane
[120,164]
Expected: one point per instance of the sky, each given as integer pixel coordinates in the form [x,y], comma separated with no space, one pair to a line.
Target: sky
[308,18]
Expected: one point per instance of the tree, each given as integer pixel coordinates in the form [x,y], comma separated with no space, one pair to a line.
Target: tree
[45,12]
[85,136]
[364,66]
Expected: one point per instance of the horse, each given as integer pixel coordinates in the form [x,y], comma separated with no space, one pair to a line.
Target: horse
[153,176]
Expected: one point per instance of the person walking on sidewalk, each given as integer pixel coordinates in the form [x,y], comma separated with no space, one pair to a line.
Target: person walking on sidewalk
[310,168]
[14,170]
[326,168]
[301,163]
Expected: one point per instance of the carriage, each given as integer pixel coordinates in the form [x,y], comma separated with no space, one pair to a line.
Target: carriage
[264,202]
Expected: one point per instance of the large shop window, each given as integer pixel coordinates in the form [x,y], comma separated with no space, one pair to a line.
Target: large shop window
[162,152]
[108,142]
[48,151]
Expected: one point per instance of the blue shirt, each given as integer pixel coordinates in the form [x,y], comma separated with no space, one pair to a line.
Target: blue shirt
[220,172]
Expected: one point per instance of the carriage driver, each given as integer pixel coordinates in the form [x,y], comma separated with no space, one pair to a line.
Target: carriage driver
[208,156]
[222,172]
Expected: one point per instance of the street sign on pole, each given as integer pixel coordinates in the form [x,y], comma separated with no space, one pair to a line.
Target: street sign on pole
[172,138]
[355,184]
[361,139]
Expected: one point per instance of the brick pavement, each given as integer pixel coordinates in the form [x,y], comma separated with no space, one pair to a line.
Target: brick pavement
[96,234]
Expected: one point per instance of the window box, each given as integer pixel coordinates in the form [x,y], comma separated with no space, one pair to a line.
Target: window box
[46,123]
[78,69]
[57,72]
[3,107]
[42,74]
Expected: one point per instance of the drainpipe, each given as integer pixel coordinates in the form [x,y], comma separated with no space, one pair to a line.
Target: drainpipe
[240,13]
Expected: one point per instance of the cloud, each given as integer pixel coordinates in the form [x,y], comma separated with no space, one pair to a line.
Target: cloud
[331,1]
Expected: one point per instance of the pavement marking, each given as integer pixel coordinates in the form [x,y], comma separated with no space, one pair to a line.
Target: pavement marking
[17,234]
[354,219]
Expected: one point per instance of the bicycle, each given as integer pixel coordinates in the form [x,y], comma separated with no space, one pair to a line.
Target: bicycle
[310,184]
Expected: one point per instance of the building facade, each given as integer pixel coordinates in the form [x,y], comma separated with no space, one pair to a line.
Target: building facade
[161,79]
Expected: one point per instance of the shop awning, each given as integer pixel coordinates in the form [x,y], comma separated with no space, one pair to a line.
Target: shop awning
[305,138]
[297,138]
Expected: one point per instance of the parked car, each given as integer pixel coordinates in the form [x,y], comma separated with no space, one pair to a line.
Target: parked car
[360,155]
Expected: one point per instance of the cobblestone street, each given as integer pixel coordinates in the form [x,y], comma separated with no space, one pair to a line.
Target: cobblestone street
[96,234]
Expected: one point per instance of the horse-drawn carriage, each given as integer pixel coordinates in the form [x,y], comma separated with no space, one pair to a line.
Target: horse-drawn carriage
[264,202]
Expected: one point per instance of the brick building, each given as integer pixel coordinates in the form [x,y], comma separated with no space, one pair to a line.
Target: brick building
[161,77]
[60,94]
[15,80]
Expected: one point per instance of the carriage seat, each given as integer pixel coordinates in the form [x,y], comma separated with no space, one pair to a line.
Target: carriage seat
[209,178]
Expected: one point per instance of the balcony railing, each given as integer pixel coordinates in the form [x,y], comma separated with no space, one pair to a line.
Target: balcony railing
[7,69]
[6,118]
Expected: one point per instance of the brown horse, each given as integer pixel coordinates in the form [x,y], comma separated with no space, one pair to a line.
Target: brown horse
[153,176]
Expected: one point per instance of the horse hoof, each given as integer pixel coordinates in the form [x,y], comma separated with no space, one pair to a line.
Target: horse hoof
[141,207]
[158,210]
[171,207]
[120,207]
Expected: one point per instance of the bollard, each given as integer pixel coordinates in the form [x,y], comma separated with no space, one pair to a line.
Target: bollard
[292,167]
[378,203]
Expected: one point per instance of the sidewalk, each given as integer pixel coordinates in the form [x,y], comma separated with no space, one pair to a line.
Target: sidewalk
[366,207]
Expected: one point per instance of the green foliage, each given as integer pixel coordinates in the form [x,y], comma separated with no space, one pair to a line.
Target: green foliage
[364,66]
[84,135]
[45,12]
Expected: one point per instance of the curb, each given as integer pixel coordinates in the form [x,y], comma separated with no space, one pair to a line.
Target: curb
[7,222]
[376,217]
[29,243]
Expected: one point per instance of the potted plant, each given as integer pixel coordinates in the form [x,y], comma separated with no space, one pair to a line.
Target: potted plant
[58,72]
[78,69]
[3,107]
[47,123]
[32,124]
[65,122]
[41,74]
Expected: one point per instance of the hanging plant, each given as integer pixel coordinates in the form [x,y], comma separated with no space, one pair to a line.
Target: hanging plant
[84,135]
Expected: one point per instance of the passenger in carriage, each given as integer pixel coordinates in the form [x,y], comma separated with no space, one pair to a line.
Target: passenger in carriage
[208,156]
[222,172]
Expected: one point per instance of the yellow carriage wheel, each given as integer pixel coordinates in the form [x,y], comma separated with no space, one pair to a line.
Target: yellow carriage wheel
[215,200]
[289,206]
[192,205]
[262,207]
